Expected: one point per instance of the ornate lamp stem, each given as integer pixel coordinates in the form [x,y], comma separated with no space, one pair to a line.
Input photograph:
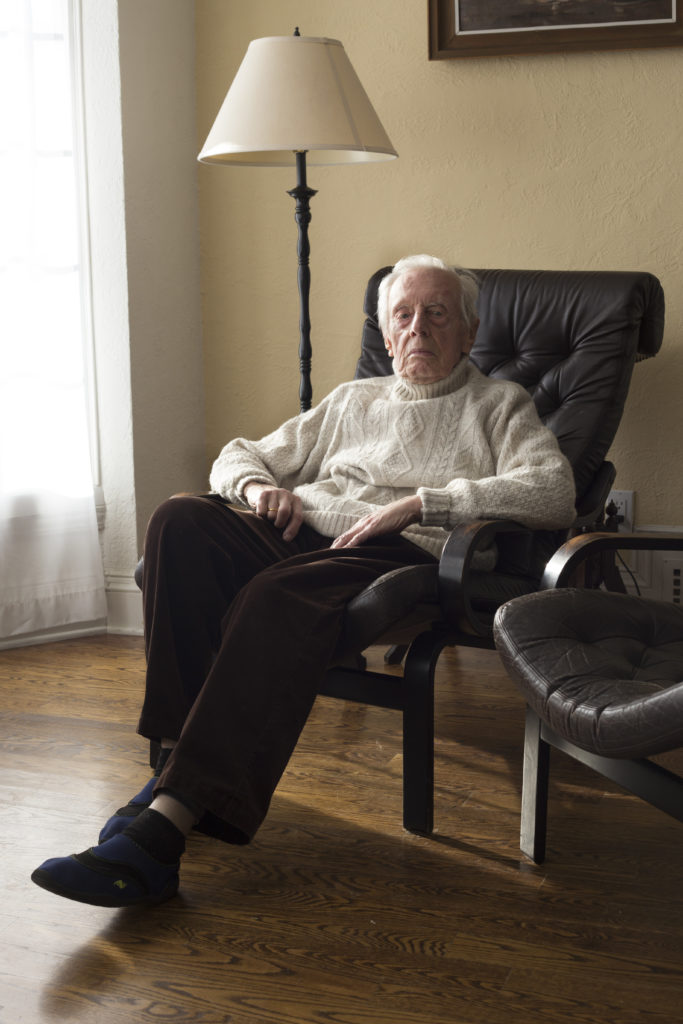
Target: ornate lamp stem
[302,194]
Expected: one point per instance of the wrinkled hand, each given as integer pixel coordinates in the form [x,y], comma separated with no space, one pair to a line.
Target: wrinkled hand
[391,518]
[277,504]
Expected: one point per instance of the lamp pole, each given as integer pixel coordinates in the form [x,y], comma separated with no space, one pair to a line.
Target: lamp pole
[303,194]
[294,96]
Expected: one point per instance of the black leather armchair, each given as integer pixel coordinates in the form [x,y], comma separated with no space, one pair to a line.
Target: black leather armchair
[572,339]
[602,674]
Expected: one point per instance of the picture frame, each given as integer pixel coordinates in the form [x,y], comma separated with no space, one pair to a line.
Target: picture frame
[490,28]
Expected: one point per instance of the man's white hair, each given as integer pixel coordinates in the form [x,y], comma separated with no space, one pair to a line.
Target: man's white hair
[469,287]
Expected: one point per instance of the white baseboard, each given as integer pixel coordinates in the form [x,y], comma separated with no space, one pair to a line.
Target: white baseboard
[53,636]
[124,606]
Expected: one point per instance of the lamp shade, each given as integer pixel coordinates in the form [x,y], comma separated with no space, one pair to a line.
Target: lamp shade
[296,94]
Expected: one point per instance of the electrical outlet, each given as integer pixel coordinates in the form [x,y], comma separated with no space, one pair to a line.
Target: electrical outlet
[624,503]
[671,578]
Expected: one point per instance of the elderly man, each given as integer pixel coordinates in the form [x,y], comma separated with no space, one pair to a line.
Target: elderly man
[245,588]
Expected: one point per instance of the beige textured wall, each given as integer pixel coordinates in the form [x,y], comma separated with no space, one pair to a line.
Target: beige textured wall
[569,161]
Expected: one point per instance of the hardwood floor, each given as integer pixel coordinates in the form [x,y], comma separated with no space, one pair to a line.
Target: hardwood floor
[333,915]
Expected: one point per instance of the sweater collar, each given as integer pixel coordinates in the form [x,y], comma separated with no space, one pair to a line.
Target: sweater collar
[410,391]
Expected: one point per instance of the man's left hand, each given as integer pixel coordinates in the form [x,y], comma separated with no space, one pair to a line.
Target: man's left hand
[391,518]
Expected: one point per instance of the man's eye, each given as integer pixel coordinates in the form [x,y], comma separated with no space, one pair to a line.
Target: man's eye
[435,312]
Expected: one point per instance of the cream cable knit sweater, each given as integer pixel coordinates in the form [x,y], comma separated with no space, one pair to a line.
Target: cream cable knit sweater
[472,447]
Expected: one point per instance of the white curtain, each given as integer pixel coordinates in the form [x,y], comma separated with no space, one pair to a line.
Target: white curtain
[50,562]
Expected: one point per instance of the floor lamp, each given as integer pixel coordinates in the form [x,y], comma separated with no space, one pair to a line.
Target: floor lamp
[295,97]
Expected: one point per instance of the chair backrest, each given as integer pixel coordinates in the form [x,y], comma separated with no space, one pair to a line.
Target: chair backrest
[571,338]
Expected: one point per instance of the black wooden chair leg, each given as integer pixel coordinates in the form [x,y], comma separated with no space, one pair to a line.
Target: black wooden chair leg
[534,789]
[395,654]
[418,732]
[644,778]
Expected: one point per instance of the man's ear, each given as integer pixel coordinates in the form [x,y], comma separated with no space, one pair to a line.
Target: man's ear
[387,345]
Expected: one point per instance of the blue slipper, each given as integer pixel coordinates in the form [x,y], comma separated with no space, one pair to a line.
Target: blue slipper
[125,815]
[119,873]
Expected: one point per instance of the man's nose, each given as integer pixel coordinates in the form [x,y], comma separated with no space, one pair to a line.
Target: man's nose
[419,323]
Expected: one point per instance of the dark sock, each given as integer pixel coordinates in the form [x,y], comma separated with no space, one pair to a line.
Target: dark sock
[162,758]
[156,834]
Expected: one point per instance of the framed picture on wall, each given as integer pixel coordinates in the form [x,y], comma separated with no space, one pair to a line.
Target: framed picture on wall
[489,28]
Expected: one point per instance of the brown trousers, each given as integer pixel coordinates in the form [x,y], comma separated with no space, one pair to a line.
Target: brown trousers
[239,628]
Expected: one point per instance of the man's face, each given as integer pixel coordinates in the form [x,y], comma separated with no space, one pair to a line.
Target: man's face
[427,335]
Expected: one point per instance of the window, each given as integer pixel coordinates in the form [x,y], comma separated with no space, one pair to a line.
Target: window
[46,479]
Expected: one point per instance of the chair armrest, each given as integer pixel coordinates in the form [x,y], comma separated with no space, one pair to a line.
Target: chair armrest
[568,558]
[455,566]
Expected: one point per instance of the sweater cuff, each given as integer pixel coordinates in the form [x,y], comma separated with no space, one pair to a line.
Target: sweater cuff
[436,506]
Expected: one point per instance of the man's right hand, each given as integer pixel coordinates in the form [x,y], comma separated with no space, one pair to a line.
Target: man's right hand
[277,504]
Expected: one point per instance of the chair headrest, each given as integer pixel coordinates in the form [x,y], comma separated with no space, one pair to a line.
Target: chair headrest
[571,338]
